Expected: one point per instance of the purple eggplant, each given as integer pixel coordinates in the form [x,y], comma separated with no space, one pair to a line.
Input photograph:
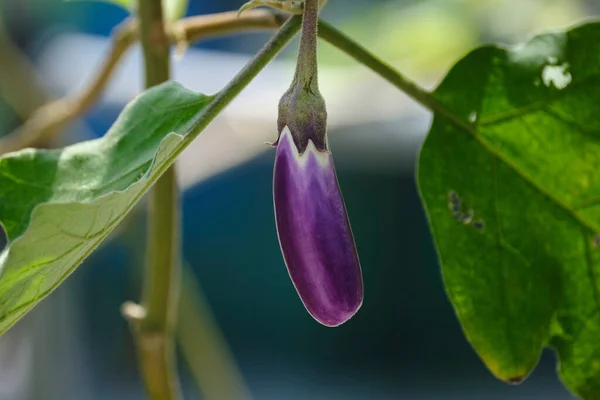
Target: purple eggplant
[314,232]
[312,224]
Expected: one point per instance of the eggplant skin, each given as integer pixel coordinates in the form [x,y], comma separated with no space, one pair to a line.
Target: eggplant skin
[314,232]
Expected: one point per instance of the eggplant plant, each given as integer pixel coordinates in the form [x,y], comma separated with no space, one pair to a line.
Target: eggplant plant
[508,175]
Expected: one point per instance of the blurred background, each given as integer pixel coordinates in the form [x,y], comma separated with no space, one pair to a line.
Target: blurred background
[243,332]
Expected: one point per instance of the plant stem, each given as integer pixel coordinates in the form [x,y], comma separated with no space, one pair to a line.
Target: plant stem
[154,40]
[155,351]
[51,118]
[363,56]
[306,67]
[199,27]
[154,323]
[222,100]
[243,78]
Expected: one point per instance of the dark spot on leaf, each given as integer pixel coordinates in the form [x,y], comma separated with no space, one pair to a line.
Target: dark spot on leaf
[455,204]
[456,207]
[596,241]
[479,225]
[458,216]
[453,196]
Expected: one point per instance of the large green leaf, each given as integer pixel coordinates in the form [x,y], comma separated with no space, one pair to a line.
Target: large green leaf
[58,205]
[513,199]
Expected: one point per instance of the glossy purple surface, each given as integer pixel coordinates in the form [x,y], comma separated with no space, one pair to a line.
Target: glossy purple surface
[315,234]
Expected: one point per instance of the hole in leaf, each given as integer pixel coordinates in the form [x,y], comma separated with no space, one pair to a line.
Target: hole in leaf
[557,75]
[454,204]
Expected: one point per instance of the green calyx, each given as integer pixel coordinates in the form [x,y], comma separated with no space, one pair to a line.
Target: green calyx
[304,112]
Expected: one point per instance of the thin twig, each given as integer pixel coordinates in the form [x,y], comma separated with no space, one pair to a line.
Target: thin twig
[153,322]
[51,118]
[48,120]
[201,27]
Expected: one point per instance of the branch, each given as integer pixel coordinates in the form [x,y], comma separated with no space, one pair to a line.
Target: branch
[287,31]
[338,39]
[154,321]
[51,118]
[193,29]
[137,313]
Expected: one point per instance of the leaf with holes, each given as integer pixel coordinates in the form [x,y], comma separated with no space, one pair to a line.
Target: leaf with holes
[58,205]
[512,191]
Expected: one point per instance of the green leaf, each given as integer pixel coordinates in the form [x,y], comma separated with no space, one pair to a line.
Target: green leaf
[513,200]
[58,205]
